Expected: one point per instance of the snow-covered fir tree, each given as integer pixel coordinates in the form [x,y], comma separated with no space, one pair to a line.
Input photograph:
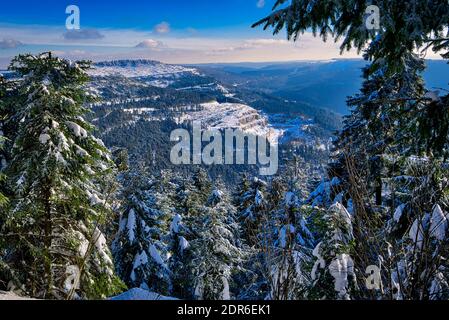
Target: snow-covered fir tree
[180,236]
[289,247]
[3,95]
[297,177]
[192,192]
[418,231]
[56,248]
[251,206]
[216,254]
[140,247]
[179,248]
[390,158]
[333,273]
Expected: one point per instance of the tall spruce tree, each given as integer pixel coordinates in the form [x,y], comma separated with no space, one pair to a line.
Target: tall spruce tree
[289,244]
[56,248]
[390,157]
[216,252]
[3,97]
[252,206]
[140,247]
[333,274]
[179,248]
[3,199]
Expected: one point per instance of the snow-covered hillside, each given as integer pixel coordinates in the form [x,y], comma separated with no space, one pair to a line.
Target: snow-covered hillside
[216,115]
[129,76]
[139,68]
[153,91]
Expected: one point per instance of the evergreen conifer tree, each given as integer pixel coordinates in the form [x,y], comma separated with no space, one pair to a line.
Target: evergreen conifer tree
[216,252]
[392,146]
[333,274]
[3,95]
[291,246]
[252,206]
[141,248]
[56,248]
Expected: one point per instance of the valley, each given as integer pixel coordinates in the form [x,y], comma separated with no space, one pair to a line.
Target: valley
[142,101]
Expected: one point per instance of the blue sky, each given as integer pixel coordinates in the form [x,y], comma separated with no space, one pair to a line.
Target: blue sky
[172,31]
[182,14]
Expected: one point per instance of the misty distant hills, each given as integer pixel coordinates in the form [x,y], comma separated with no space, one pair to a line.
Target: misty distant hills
[322,84]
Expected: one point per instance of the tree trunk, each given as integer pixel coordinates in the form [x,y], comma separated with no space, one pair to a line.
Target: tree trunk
[378,192]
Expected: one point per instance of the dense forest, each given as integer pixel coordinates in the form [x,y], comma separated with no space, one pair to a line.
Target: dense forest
[79,220]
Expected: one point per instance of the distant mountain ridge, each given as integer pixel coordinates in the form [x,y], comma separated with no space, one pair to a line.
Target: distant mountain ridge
[142,68]
[322,84]
[126,63]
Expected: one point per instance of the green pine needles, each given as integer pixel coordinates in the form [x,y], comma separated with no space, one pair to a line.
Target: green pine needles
[53,228]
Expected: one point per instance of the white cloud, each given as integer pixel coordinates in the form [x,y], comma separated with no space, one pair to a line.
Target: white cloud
[253,44]
[149,44]
[260,4]
[162,28]
[10,44]
[257,43]
[83,34]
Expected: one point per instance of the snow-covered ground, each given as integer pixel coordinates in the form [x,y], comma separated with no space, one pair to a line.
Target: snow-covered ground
[133,294]
[142,295]
[11,296]
[139,68]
